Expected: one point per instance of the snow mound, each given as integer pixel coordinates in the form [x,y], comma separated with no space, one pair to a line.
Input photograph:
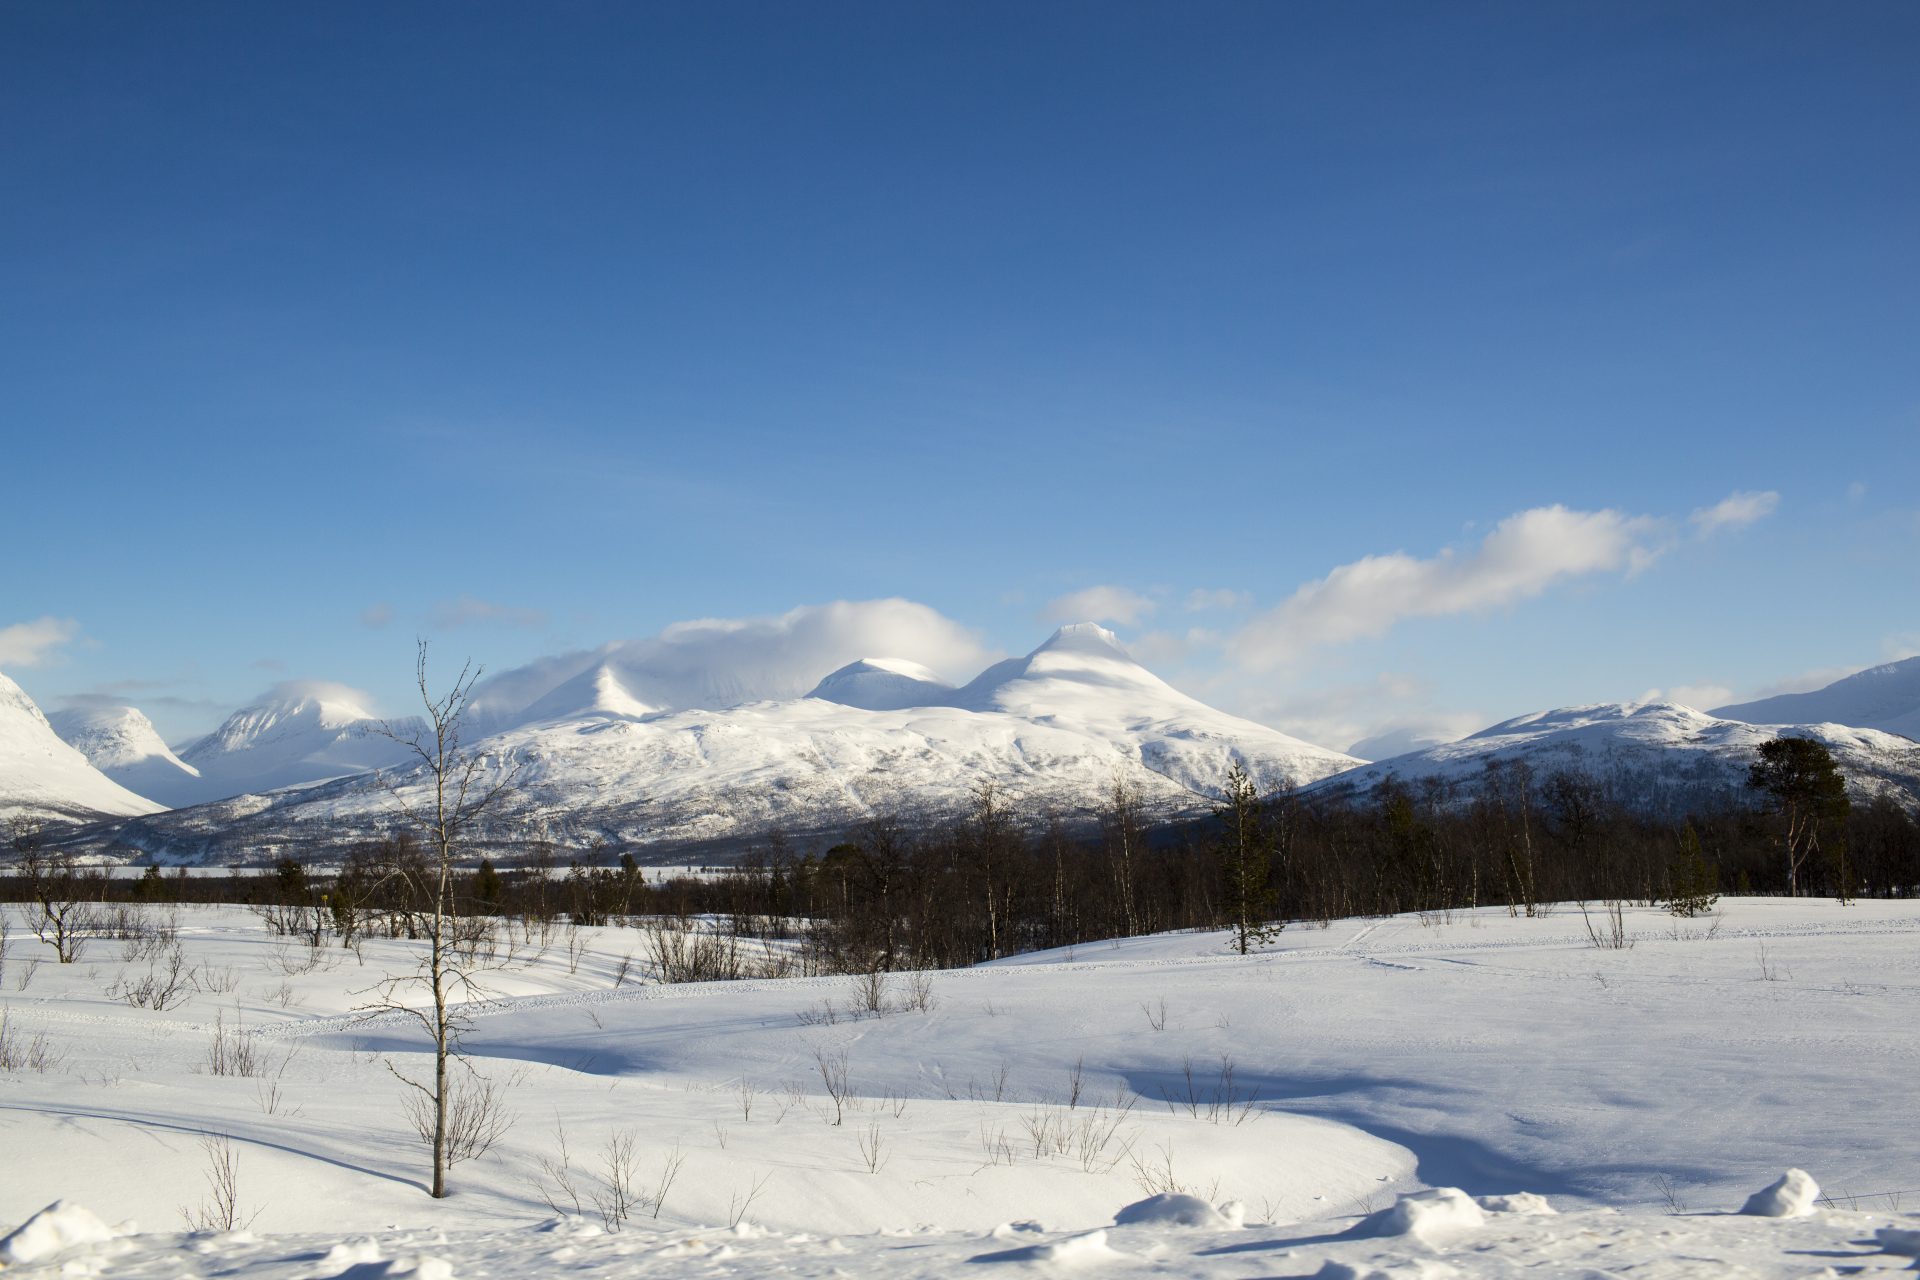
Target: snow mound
[1017,1230]
[1412,1269]
[60,1226]
[1791,1197]
[1904,1241]
[1180,1211]
[1089,1249]
[417,1265]
[420,1266]
[349,1253]
[1522,1204]
[1425,1216]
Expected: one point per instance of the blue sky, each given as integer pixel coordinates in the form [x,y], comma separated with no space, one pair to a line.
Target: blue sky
[529,328]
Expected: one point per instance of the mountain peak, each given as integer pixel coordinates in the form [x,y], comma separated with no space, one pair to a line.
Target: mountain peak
[114,737]
[883,684]
[42,776]
[1083,637]
[599,691]
[1886,697]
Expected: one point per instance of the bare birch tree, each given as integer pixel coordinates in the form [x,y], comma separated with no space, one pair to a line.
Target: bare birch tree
[445,794]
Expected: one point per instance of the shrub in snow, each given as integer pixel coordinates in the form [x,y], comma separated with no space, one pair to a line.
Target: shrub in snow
[1425,1215]
[1180,1211]
[1791,1197]
[59,1226]
[1523,1203]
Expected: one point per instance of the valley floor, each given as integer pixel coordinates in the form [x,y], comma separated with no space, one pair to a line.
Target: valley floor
[1645,1091]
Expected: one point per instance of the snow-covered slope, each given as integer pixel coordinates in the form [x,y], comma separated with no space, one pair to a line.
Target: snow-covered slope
[1885,698]
[295,735]
[1083,678]
[1652,756]
[987,1133]
[1053,730]
[123,744]
[43,778]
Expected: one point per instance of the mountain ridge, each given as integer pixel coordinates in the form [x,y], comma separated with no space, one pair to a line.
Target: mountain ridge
[44,778]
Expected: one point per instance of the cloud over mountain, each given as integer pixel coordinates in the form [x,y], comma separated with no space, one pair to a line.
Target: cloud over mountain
[719,662]
[1524,555]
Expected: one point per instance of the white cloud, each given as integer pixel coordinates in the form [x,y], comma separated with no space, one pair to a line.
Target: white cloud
[1386,715]
[1524,555]
[1099,604]
[32,644]
[1735,511]
[1397,737]
[1163,650]
[1201,599]
[343,695]
[377,615]
[1701,697]
[467,610]
[717,662]
[1856,492]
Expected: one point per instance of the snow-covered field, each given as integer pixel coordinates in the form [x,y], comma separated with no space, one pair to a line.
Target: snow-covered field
[1645,1092]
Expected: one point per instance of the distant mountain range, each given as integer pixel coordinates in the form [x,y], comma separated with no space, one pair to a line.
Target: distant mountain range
[1885,698]
[601,759]
[1654,757]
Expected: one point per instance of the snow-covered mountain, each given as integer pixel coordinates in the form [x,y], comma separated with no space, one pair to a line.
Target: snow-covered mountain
[1053,729]
[123,744]
[42,778]
[1885,698]
[297,734]
[1656,757]
[883,684]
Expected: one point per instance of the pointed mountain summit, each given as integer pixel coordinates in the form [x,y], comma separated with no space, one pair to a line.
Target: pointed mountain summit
[883,684]
[298,733]
[1084,678]
[123,744]
[43,778]
[599,691]
[1886,698]
[1081,668]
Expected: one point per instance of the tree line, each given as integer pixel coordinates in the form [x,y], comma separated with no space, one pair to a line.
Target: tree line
[934,890]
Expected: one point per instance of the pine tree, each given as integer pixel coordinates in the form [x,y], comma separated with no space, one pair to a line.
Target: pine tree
[1246,857]
[1693,883]
[1804,786]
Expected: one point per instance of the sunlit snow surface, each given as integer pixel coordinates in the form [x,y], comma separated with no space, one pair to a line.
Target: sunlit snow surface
[1370,1059]
[43,778]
